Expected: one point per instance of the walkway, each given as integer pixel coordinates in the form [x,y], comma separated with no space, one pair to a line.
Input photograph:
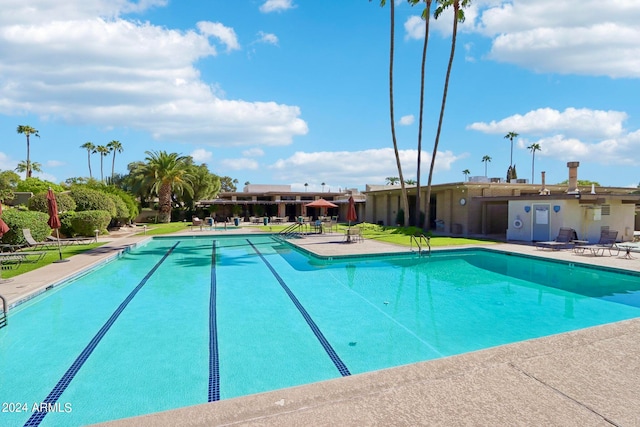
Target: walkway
[589,377]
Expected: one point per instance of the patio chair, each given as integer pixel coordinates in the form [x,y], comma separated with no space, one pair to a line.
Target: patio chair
[607,242]
[564,240]
[196,222]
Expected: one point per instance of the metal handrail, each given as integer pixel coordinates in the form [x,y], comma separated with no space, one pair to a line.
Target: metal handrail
[421,238]
[3,315]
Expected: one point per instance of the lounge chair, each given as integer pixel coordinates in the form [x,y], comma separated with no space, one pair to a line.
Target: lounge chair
[71,240]
[196,222]
[607,242]
[564,240]
[31,242]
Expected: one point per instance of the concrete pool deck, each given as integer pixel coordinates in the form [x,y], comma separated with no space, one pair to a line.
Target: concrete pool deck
[589,377]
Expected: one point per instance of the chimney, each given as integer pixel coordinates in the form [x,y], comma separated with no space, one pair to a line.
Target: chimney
[573,177]
[544,191]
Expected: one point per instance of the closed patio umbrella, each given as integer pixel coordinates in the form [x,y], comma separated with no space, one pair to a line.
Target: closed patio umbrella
[3,225]
[54,220]
[352,216]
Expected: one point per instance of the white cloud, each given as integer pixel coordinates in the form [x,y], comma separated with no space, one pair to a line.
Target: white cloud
[407,120]
[116,73]
[225,34]
[267,38]
[253,152]
[348,167]
[577,121]
[201,155]
[240,164]
[6,163]
[536,34]
[572,134]
[54,163]
[276,6]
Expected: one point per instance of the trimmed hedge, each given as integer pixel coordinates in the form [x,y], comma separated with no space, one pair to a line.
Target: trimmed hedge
[122,212]
[91,200]
[18,219]
[84,223]
[39,203]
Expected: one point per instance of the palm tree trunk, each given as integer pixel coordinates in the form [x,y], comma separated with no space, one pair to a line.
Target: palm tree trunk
[101,167]
[113,165]
[533,165]
[422,72]
[403,190]
[456,7]
[89,162]
[164,202]
[28,156]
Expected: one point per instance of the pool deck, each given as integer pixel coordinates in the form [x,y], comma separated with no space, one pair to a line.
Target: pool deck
[589,377]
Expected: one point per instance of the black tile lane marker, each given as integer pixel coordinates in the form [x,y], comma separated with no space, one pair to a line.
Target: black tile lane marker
[37,417]
[342,368]
[214,361]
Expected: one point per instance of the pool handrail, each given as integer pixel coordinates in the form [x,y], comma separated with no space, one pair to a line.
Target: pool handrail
[421,238]
[3,315]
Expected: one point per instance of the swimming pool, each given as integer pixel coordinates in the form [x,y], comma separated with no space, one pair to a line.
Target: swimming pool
[179,322]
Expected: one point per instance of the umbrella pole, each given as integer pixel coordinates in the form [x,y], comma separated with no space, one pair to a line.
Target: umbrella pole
[59,248]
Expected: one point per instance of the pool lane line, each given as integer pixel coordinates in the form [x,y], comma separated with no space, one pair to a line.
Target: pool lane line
[214,359]
[37,417]
[342,368]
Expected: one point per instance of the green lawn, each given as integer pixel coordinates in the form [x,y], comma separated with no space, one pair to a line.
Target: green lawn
[52,255]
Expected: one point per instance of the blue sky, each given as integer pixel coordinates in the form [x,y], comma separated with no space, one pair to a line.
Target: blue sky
[296,91]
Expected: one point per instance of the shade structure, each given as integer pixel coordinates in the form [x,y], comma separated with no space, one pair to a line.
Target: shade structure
[352,216]
[321,203]
[54,220]
[3,226]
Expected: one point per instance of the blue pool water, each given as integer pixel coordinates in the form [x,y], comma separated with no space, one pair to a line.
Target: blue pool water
[180,322]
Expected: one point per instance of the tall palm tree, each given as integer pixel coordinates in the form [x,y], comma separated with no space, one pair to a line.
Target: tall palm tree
[103,151]
[510,137]
[426,13]
[323,184]
[404,200]
[458,16]
[23,166]
[533,148]
[115,147]
[485,160]
[28,131]
[90,147]
[306,184]
[466,173]
[166,173]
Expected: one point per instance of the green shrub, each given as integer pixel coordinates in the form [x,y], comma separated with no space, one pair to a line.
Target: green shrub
[91,200]
[122,212]
[128,199]
[400,218]
[36,185]
[19,219]
[86,222]
[39,203]
[66,224]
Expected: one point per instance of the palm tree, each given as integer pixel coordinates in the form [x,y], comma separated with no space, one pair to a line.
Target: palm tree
[115,147]
[426,13]
[305,186]
[403,191]
[466,173]
[486,159]
[164,174]
[458,16]
[23,166]
[533,148]
[410,181]
[323,184]
[510,137]
[90,149]
[27,131]
[392,180]
[104,151]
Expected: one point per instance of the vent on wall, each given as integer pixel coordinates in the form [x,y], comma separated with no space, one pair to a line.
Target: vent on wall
[606,209]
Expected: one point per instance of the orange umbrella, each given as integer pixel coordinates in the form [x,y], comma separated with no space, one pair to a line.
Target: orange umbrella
[321,203]
[54,220]
[3,225]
